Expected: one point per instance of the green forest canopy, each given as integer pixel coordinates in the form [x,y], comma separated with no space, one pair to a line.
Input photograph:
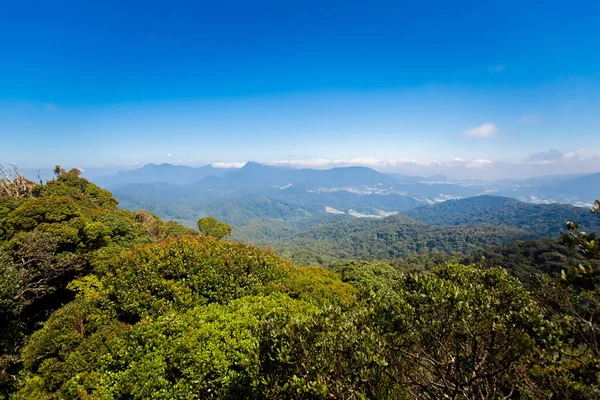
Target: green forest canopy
[50,234]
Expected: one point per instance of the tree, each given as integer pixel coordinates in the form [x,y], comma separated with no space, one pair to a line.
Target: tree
[58,170]
[588,245]
[213,227]
[459,332]
[573,306]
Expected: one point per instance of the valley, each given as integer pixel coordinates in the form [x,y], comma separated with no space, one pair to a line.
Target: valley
[322,216]
[288,193]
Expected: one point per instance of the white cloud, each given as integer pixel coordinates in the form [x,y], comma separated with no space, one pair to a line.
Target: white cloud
[321,163]
[497,68]
[478,163]
[305,163]
[169,155]
[554,156]
[482,131]
[577,155]
[460,162]
[51,107]
[382,164]
[228,164]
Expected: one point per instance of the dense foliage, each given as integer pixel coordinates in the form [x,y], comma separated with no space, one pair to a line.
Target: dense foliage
[187,316]
[235,211]
[49,235]
[213,227]
[326,239]
[202,318]
[588,245]
[524,258]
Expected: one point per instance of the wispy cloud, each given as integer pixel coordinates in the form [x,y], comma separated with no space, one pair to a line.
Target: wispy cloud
[377,163]
[482,131]
[555,157]
[228,164]
[169,155]
[51,107]
[545,163]
[478,163]
[494,69]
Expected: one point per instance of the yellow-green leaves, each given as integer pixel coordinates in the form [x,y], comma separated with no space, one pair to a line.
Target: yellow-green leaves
[213,227]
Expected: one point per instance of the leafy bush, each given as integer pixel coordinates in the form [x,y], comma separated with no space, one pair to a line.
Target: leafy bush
[188,315]
[213,227]
[50,234]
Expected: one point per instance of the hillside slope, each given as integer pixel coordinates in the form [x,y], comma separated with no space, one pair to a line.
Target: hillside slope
[326,239]
[542,220]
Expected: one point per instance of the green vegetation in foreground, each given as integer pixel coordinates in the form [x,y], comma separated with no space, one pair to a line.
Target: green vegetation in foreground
[193,316]
[51,234]
[213,227]
[200,317]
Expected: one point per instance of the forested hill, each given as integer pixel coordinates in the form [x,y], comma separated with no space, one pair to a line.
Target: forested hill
[542,220]
[330,238]
[525,258]
[239,209]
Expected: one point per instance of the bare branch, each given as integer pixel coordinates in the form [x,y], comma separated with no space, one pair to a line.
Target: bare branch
[13,184]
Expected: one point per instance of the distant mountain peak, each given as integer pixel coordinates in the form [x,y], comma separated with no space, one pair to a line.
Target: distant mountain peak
[255,165]
[165,172]
[355,168]
[154,166]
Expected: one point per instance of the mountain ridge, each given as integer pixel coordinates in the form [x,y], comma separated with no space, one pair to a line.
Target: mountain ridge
[544,220]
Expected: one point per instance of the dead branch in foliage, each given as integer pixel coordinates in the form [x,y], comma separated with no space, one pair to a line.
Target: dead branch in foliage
[13,184]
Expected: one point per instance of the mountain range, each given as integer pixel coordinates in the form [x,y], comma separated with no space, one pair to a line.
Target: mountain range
[256,190]
[253,176]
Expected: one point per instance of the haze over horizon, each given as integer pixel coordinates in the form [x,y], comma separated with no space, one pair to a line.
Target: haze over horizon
[469,90]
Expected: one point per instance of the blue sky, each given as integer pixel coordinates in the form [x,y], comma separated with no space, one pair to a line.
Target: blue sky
[415,86]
